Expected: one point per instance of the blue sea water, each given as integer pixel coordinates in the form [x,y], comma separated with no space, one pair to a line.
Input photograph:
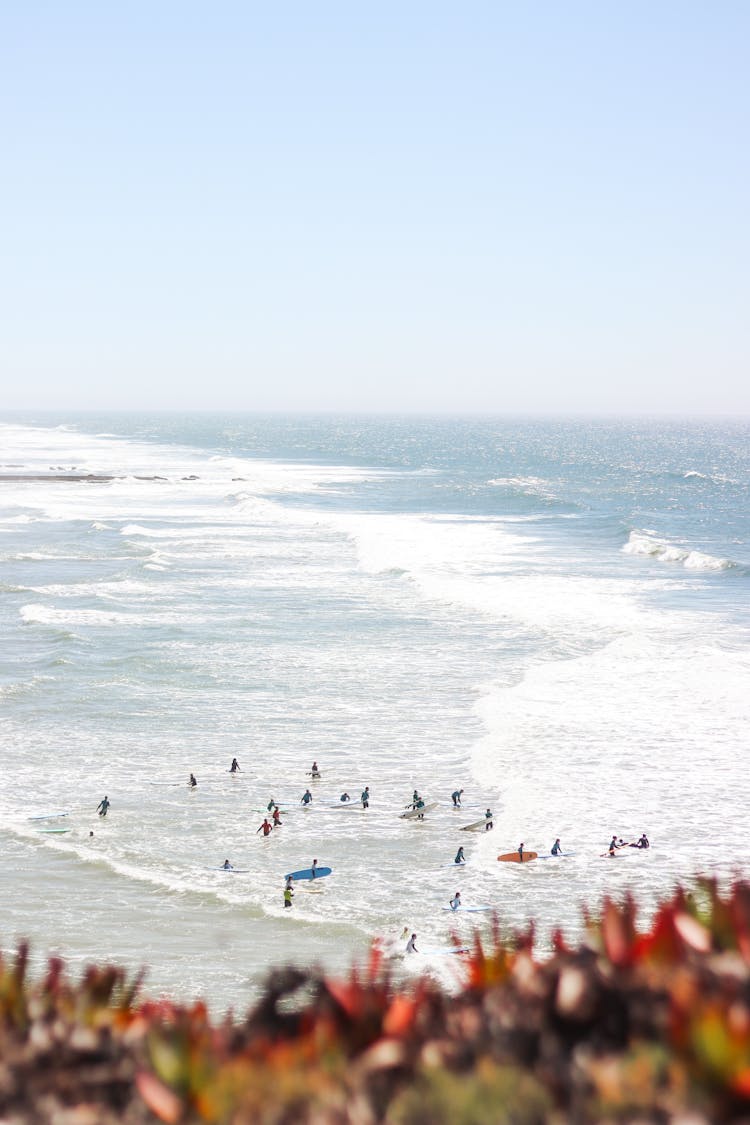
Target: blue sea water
[551,614]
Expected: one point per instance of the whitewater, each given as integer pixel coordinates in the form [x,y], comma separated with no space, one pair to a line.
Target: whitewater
[551,614]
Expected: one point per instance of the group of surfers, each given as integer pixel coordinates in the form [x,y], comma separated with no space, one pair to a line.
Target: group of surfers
[417,803]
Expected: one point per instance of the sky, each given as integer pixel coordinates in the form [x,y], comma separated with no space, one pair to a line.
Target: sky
[484,207]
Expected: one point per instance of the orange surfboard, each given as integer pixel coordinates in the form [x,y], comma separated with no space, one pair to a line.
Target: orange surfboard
[513,857]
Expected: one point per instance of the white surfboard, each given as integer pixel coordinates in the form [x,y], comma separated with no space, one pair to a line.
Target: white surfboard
[415,814]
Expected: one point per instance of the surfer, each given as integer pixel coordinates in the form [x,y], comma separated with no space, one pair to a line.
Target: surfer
[556,848]
[456,901]
[488,820]
[271,805]
[345,797]
[460,858]
[420,805]
[520,853]
[410,946]
[102,807]
[642,843]
[314,770]
[288,895]
[289,882]
[314,867]
[306,798]
[265,827]
[365,798]
[276,817]
[456,798]
[192,783]
[227,866]
[235,766]
[414,799]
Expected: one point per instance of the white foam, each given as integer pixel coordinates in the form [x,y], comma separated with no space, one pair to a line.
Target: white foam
[642,542]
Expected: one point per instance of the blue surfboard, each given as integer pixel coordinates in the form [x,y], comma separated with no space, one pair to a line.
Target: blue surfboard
[308,873]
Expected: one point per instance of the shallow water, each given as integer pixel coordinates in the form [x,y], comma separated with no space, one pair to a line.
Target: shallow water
[551,614]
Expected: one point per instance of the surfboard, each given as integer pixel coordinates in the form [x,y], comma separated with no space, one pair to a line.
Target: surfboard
[53,831]
[440,952]
[308,873]
[48,816]
[415,814]
[467,909]
[231,870]
[513,857]
[444,866]
[560,855]
[477,823]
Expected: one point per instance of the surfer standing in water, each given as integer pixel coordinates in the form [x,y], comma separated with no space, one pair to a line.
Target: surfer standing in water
[102,807]
[192,783]
[488,819]
[460,856]
[265,827]
[235,766]
[410,946]
[556,848]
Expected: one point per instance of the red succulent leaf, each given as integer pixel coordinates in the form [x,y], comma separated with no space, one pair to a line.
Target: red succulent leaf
[162,1101]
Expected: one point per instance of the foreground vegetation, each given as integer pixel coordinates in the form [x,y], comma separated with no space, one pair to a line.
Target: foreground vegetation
[629,1026]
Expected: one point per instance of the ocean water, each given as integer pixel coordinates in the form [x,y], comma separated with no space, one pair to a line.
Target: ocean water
[551,614]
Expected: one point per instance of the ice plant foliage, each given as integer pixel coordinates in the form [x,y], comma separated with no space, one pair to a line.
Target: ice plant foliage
[646,1023]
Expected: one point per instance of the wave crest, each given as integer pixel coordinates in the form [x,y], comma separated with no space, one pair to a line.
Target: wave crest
[647,543]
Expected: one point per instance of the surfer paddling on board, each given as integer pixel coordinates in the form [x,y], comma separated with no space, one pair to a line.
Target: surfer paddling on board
[488,820]
[455,901]
[102,807]
[460,858]
[227,866]
[556,848]
[265,827]
[235,766]
[345,797]
[410,945]
[642,843]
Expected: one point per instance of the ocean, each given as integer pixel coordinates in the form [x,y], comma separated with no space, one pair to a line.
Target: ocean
[551,614]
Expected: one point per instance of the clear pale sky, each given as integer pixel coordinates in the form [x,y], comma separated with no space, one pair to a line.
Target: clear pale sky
[388,206]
